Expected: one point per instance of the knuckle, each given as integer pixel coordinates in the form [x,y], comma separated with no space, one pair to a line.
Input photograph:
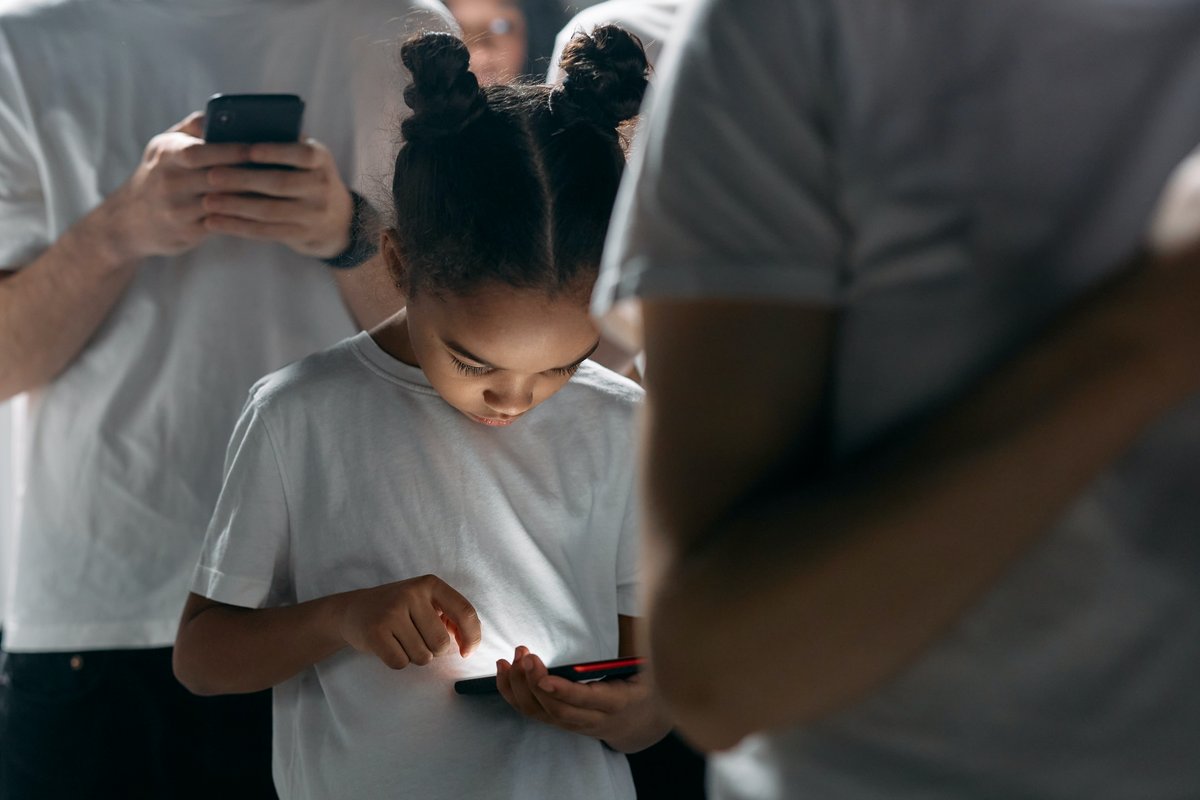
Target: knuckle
[187,154]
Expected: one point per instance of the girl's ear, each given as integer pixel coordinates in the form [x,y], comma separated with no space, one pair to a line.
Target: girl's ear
[391,257]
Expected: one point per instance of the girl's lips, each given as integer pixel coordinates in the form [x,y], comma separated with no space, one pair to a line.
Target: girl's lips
[498,423]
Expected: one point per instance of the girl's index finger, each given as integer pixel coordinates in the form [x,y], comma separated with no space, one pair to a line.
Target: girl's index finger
[461,616]
[300,155]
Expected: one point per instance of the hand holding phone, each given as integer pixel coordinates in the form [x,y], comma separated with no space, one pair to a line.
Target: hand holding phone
[580,672]
[623,713]
[289,191]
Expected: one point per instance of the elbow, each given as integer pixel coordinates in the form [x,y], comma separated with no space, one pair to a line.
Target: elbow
[715,698]
[696,675]
[720,677]
[696,687]
[191,671]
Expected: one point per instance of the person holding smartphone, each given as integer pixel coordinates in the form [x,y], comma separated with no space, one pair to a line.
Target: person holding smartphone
[451,493]
[149,279]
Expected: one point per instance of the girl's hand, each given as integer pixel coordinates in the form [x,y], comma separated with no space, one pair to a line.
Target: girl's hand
[409,622]
[624,713]
[308,207]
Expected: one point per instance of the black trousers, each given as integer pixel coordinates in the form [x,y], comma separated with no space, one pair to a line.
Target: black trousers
[116,724]
[669,770]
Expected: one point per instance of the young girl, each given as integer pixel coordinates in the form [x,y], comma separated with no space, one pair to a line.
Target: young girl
[452,489]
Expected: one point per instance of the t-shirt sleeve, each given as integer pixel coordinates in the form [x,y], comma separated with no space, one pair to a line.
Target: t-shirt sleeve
[730,191]
[24,224]
[245,558]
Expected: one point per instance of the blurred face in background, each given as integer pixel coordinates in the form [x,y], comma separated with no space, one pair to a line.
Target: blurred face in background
[497,36]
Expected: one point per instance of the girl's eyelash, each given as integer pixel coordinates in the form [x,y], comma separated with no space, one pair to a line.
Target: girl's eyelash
[467,369]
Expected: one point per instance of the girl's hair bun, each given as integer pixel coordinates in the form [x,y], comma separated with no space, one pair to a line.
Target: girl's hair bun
[444,94]
[604,77]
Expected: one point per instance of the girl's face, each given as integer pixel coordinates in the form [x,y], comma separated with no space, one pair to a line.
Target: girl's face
[496,353]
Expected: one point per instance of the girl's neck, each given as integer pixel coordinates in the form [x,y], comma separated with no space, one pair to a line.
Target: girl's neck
[392,337]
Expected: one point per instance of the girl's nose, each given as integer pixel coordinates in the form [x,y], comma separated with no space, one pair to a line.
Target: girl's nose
[509,401]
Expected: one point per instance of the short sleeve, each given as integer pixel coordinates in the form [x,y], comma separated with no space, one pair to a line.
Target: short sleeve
[24,222]
[731,189]
[245,558]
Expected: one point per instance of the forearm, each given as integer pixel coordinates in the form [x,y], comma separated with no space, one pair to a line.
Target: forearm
[846,582]
[50,308]
[223,649]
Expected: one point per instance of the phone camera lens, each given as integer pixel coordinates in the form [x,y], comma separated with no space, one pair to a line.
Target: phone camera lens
[224,117]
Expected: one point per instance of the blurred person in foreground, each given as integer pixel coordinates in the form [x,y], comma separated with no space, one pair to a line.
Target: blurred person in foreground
[923,426]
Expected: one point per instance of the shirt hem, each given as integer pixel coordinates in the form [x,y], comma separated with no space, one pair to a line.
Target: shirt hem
[234,591]
[20,638]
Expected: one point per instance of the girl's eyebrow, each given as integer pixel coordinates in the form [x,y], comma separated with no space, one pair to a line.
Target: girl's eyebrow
[465,353]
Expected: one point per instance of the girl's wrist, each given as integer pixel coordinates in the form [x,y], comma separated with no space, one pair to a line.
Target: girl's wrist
[333,614]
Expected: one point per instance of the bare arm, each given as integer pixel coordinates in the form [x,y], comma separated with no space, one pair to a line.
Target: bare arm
[819,572]
[50,308]
[225,649]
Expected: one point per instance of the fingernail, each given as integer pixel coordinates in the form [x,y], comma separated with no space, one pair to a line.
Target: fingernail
[546,686]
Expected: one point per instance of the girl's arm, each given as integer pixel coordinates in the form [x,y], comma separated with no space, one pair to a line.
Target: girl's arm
[224,649]
[625,714]
[777,595]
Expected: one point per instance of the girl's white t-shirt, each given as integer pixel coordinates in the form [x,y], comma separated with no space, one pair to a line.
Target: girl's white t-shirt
[347,470]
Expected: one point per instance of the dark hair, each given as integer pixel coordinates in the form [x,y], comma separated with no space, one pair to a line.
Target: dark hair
[514,183]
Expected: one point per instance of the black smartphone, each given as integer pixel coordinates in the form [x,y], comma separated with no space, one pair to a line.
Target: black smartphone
[250,118]
[582,671]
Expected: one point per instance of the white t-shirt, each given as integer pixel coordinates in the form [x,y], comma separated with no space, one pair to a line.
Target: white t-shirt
[651,20]
[950,175]
[120,462]
[347,470]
